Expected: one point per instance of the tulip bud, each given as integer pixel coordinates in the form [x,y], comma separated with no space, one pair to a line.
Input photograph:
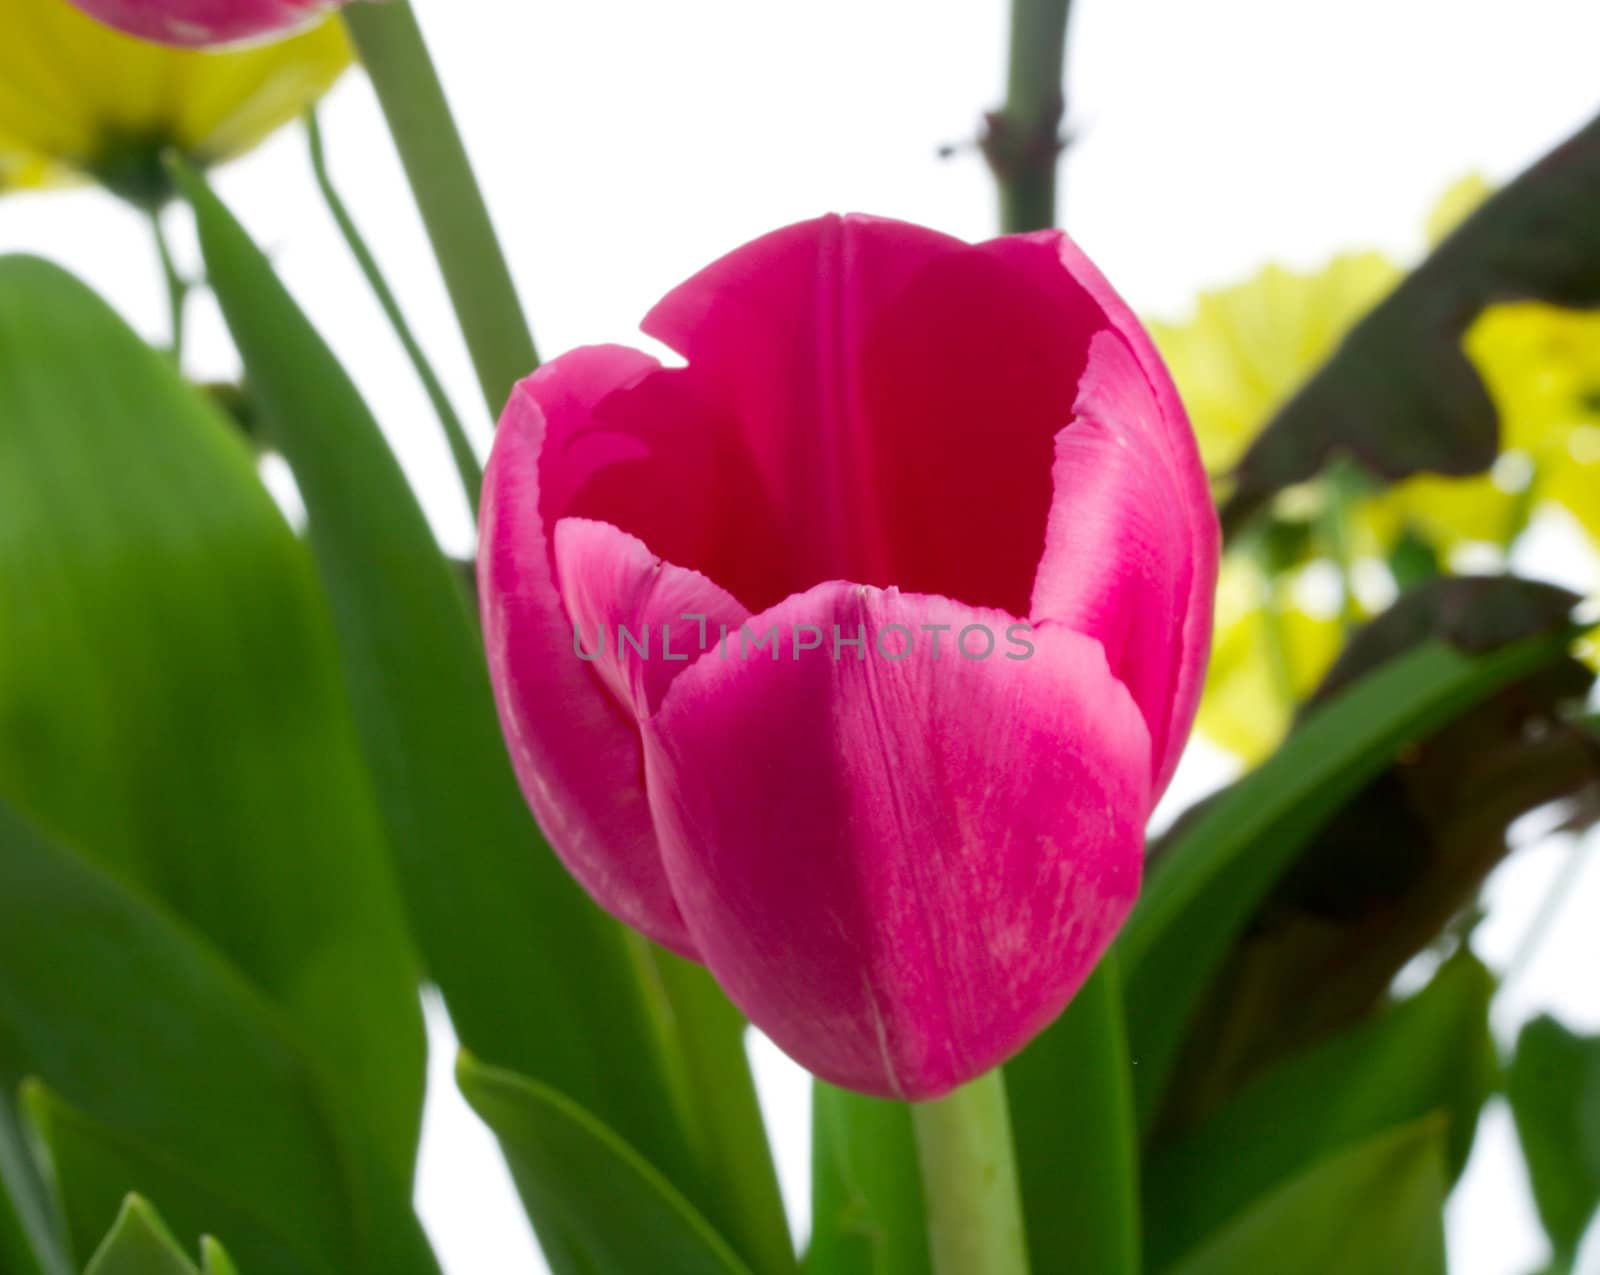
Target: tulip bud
[203,24]
[850,657]
[81,100]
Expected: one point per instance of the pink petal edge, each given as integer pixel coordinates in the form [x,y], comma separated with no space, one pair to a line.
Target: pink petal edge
[900,870]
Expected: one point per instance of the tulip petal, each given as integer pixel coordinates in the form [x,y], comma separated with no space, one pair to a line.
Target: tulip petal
[615,589]
[896,392]
[201,23]
[901,869]
[576,749]
[1113,564]
[1132,541]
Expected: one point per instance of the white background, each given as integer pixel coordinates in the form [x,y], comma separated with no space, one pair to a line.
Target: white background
[623,143]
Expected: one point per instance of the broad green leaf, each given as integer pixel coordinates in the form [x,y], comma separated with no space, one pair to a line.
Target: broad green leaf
[1376,1207]
[1382,878]
[610,1204]
[1431,1054]
[139,1244]
[867,1211]
[101,1164]
[185,1081]
[1554,1089]
[170,698]
[1072,1118]
[1400,394]
[535,977]
[1214,874]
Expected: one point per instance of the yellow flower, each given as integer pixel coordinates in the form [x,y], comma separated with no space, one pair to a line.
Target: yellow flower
[1457,203]
[80,100]
[1542,368]
[1250,346]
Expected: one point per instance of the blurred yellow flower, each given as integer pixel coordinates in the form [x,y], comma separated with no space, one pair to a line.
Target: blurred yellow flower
[1541,365]
[80,100]
[1458,202]
[1542,368]
[1247,348]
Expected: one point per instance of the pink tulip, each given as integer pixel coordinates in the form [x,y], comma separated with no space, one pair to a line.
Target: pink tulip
[196,24]
[900,864]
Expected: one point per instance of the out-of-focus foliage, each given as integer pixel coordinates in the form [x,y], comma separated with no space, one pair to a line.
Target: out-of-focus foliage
[1554,1089]
[591,1190]
[1430,1054]
[1399,396]
[867,1206]
[78,99]
[1212,873]
[1405,852]
[1377,1206]
[1246,350]
[139,1243]
[636,1049]
[170,701]
[1248,347]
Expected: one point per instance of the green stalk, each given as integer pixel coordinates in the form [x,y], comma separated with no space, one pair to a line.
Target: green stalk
[1341,483]
[177,286]
[1023,140]
[474,267]
[455,433]
[1555,897]
[969,1177]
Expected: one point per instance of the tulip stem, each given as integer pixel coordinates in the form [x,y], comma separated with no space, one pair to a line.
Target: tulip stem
[466,459]
[177,286]
[1023,141]
[453,211]
[969,1180]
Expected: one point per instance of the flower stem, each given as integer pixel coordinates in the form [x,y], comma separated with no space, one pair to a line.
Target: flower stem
[177,286]
[1550,905]
[1341,482]
[470,258]
[455,433]
[969,1178]
[1023,139]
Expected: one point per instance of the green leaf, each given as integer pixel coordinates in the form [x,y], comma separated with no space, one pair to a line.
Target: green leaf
[1402,858]
[610,1204]
[1076,1138]
[214,1259]
[1554,1090]
[1431,1054]
[139,1244]
[170,698]
[32,1233]
[1218,869]
[867,1209]
[715,1090]
[100,1164]
[189,1084]
[535,976]
[1376,1207]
